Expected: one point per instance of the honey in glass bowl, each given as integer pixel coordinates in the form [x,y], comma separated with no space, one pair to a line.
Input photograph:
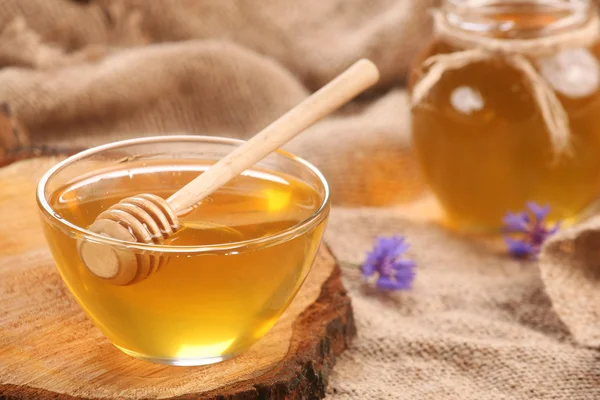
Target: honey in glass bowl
[479,134]
[231,271]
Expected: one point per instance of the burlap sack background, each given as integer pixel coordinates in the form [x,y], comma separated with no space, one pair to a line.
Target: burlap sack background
[477,325]
[216,68]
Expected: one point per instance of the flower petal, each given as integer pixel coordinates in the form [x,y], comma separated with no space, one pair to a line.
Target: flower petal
[518,248]
[516,222]
[388,283]
[394,242]
[540,212]
[401,265]
[373,257]
[554,229]
[405,272]
[399,250]
[378,249]
[367,269]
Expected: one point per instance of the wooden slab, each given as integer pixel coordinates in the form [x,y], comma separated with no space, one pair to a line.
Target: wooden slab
[50,350]
[15,144]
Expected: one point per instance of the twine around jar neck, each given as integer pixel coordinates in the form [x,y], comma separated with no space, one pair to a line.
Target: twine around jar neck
[517,53]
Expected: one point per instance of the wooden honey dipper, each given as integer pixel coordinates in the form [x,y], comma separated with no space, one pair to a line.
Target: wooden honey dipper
[148,218]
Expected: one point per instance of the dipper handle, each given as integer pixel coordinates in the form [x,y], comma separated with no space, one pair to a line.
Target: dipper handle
[330,97]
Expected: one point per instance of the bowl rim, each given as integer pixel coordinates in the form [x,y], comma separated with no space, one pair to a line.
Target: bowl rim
[279,237]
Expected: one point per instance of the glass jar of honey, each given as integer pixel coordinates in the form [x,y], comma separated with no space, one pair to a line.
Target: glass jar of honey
[506,109]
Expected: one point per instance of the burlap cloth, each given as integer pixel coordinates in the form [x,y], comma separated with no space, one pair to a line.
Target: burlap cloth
[477,325]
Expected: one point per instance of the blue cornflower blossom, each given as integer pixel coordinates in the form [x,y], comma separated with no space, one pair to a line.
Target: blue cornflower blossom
[532,229]
[384,261]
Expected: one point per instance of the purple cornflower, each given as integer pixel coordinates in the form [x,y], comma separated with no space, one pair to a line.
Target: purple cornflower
[532,229]
[393,273]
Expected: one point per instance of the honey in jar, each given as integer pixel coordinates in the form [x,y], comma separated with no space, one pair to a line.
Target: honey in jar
[233,268]
[485,133]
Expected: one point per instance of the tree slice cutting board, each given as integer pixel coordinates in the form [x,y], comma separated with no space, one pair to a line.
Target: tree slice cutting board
[50,350]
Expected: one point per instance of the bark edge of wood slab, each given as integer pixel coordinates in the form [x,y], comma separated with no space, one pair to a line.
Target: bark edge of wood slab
[319,334]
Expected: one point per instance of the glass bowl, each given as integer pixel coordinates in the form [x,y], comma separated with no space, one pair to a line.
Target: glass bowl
[211,300]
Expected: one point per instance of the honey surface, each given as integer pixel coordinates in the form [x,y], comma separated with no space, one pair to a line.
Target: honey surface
[484,148]
[198,306]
